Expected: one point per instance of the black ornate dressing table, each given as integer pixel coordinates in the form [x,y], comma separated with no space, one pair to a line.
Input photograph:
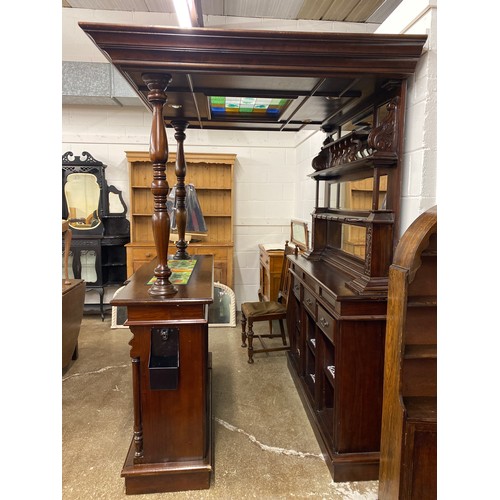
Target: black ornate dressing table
[96,214]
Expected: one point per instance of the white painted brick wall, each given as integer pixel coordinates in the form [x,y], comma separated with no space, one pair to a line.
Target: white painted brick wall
[418,190]
[264,173]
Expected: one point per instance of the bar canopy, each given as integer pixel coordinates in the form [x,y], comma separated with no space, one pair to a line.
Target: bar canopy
[258,80]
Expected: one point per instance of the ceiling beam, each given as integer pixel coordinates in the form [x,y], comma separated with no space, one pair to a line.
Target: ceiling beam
[283,94]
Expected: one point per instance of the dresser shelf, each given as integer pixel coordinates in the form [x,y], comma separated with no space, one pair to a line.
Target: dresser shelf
[212,176]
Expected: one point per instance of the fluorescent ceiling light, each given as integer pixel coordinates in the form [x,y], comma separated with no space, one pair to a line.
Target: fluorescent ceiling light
[183,13]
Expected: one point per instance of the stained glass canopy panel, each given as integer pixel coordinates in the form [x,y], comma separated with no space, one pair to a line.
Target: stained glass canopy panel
[220,105]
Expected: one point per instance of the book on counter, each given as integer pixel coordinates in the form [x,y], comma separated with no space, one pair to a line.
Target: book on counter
[269,247]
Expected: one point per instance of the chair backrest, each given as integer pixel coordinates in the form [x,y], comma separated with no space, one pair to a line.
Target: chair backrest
[285,278]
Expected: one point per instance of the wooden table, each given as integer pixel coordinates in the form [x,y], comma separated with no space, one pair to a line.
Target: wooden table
[171,449]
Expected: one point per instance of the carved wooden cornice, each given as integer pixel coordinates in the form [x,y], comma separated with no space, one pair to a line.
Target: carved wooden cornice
[384,137]
[362,144]
[69,159]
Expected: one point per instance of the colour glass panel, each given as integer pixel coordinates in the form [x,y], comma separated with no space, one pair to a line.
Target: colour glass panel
[257,106]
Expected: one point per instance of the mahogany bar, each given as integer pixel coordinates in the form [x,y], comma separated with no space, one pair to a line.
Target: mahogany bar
[171,449]
[350,86]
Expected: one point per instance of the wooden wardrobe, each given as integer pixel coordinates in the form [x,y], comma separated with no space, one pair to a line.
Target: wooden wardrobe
[408,451]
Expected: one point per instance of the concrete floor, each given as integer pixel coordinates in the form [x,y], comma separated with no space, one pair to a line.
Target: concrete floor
[264,445]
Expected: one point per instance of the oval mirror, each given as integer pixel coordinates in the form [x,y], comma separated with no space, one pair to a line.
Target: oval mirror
[82,197]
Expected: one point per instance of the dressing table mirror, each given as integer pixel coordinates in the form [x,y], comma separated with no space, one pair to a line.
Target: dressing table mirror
[82,193]
[96,214]
[299,235]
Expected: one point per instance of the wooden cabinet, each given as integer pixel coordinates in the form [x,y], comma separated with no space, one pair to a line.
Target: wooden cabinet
[270,264]
[408,451]
[171,448]
[212,176]
[337,311]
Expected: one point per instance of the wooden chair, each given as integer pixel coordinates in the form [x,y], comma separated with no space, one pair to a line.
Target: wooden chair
[253,312]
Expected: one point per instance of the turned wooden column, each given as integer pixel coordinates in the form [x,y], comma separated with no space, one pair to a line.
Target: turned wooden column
[180,190]
[158,152]
[136,384]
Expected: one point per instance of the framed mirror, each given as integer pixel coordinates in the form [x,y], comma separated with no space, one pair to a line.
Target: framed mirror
[222,311]
[82,193]
[299,234]
[360,195]
[90,204]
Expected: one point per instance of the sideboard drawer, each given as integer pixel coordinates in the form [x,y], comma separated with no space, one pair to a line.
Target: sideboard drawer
[326,322]
[310,302]
[295,286]
[143,253]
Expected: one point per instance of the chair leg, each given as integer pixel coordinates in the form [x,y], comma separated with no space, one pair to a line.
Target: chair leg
[270,327]
[250,341]
[243,331]
[282,328]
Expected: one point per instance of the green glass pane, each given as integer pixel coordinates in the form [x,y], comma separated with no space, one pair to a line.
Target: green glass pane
[248,102]
[247,105]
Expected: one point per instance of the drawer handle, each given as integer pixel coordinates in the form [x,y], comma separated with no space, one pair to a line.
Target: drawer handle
[323,322]
[309,302]
[148,255]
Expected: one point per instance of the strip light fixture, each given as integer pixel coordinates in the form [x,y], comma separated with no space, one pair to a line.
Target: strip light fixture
[182,9]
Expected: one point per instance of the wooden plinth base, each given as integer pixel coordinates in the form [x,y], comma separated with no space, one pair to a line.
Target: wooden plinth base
[343,466]
[172,476]
[165,477]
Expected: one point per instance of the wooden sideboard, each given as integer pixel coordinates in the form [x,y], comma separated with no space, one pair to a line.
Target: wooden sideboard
[212,176]
[270,264]
[337,311]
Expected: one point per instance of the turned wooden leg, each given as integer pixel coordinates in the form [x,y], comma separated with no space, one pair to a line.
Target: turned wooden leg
[243,331]
[158,152]
[180,190]
[136,385]
[250,341]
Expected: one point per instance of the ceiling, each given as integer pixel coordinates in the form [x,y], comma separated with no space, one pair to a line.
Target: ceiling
[357,11]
